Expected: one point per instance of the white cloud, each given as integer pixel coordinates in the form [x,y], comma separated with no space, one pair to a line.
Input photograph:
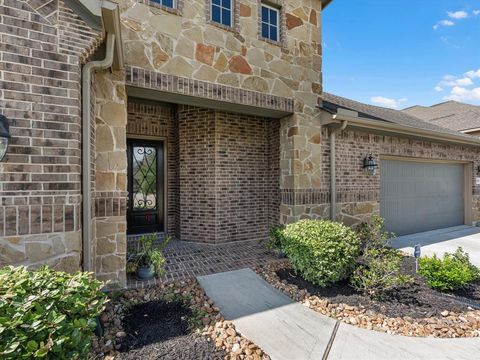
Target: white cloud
[457,14]
[459,93]
[438,88]
[451,81]
[443,23]
[475,12]
[387,102]
[473,74]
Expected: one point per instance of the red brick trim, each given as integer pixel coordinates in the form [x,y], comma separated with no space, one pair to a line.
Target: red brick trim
[109,203]
[149,79]
[319,196]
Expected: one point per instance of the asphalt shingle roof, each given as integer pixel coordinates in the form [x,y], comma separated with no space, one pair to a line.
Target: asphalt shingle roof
[379,113]
[453,115]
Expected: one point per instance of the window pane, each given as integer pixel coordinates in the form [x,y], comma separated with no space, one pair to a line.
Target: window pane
[273,17]
[167,3]
[216,13]
[227,4]
[273,33]
[216,2]
[264,14]
[226,17]
[265,30]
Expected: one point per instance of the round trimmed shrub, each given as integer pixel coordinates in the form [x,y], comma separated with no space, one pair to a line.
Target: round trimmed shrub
[321,251]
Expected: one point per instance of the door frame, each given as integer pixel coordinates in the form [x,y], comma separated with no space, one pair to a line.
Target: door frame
[158,140]
[468,181]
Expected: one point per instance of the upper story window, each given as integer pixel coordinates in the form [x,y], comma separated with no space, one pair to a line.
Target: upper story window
[270,23]
[222,12]
[167,3]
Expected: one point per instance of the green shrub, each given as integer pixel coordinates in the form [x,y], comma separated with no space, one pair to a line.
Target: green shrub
[322,252]
[373,235]
[378,272]
[453,272]
[47,314]
[275,238]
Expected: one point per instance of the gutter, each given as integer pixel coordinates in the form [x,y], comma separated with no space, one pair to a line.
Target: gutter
[86,149]
[397,129]
[333,172]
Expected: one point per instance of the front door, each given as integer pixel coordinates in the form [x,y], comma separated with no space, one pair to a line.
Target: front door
[145,186]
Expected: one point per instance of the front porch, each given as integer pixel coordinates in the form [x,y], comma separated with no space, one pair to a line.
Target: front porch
[185,260]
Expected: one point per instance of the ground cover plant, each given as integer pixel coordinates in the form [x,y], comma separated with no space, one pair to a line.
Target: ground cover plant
[450,273]
[47,314]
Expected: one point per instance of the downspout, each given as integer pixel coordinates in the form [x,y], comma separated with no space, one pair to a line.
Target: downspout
[86,151]
[333,173]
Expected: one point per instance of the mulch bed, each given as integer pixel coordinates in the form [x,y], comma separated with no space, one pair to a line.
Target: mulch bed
[414,310]
[169,321]
[416,300]
[160,330]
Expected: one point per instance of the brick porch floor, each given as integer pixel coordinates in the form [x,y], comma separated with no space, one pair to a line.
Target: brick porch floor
[185,260]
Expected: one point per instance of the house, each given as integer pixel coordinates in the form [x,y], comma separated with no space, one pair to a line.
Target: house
[451,114]
[201,119]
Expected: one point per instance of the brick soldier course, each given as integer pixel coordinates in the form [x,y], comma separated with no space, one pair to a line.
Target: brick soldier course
[238,114]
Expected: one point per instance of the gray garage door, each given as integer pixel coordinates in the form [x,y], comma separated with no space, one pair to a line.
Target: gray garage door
[420,196]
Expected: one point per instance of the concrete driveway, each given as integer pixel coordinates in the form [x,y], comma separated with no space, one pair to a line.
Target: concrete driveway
[443,240]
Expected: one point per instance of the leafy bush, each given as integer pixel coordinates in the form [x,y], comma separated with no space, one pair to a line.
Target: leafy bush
[275,238]
[378,272]
[47,314]
[453,272]
[323,252]
[373,235]
[149,254]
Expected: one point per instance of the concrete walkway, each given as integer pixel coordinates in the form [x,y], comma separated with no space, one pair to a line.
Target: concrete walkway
[287,330]
[443,240]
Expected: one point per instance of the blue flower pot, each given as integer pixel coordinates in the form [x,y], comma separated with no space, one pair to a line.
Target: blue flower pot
[146,272]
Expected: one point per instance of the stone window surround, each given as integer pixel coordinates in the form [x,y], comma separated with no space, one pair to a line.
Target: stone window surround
[236,16]
[178,10]
[282,28]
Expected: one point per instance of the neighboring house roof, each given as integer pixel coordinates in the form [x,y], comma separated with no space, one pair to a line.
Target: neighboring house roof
[453,115]
[389,120]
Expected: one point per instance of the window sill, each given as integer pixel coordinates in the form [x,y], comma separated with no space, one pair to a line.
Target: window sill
[232,29]
[272,42]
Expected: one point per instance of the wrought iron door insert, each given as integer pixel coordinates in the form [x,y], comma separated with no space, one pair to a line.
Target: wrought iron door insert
[145,186]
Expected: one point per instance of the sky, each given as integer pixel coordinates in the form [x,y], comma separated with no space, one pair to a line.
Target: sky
[402,53]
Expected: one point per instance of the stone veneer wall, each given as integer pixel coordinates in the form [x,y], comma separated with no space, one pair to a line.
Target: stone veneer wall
[228,175]
[187,54]
[357,193]
[43,46]
[109,177]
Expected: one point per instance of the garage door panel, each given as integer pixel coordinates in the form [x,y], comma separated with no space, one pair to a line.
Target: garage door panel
[420,196]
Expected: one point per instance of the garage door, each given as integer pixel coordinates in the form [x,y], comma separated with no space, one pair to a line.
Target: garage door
[421,196]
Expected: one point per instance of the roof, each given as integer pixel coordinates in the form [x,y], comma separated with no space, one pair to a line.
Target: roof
[453,115]
[325,3]
[390,120]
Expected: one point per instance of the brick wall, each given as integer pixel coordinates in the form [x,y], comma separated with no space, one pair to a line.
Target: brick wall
[358,194]
[228,175]
[40,176]
[159,121]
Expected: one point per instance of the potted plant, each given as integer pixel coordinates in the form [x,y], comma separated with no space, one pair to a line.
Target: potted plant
[149,260]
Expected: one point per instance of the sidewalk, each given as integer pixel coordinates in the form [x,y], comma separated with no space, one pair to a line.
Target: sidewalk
[287,330]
